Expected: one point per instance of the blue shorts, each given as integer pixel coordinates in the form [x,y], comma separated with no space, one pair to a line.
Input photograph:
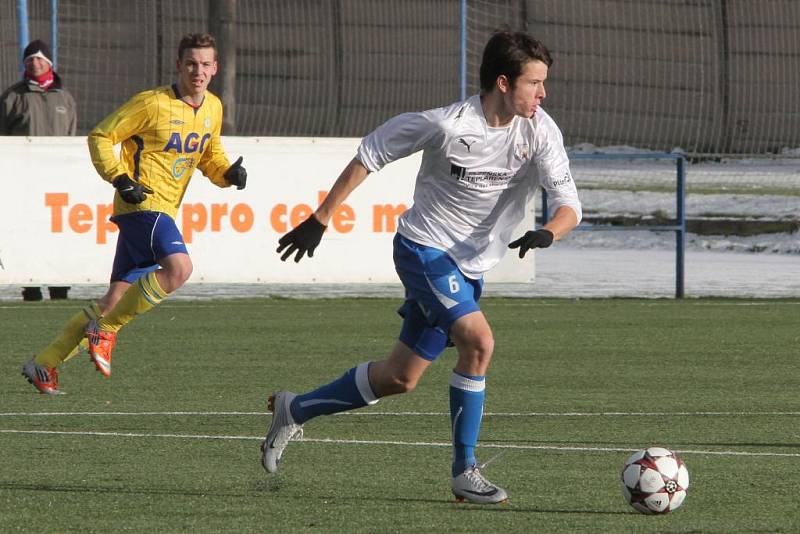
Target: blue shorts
[437,294]
[145,237]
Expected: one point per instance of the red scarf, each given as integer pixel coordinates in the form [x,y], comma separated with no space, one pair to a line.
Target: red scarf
[44,81]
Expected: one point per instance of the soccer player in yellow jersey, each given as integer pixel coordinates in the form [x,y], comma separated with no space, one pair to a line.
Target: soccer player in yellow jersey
[165,134]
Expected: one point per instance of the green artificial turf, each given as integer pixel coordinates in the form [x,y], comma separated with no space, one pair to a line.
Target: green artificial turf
[170,443]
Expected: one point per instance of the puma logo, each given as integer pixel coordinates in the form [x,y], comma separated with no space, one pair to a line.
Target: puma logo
[468,145]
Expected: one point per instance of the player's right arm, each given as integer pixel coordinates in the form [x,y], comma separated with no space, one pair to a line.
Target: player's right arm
[305,238]
[122,124]
[398,137]
[351,177]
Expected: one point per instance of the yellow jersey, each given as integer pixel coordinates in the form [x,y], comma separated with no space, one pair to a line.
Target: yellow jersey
[163,139]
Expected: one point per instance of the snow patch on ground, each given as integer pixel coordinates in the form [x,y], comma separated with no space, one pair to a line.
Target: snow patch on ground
[722,205]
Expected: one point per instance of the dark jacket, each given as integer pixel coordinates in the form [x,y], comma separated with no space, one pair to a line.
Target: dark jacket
[27,109]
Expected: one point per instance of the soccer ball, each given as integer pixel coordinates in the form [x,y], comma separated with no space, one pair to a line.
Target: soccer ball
[654,480]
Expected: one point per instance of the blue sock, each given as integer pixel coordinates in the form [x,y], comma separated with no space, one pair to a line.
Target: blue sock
[348,392]
[466,410]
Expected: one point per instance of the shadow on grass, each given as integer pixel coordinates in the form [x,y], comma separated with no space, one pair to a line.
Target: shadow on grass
[86,488]
[512,508]
[276,484]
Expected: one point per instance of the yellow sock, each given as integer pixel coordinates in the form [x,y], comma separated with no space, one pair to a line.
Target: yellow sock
[84,344]
[138,299]
[66,344]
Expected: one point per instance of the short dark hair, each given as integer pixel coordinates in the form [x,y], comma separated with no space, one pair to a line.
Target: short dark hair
[196,40]
[506,53]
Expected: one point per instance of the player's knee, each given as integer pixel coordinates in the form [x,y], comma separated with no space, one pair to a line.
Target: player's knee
[399,383]
[474,340]
[184,273]
[476,353]
[176,276]
[482,347]
[403,385]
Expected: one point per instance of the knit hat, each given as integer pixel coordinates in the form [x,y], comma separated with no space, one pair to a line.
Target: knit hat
[38,48]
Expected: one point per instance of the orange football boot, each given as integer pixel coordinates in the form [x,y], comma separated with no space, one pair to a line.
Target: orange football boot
[45,379]
[101,345]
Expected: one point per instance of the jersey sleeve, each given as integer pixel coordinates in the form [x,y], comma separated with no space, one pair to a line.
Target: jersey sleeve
[555,177]
[214,162]
[399,137]
[130,119]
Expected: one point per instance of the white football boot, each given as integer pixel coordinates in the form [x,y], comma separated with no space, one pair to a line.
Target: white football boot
[281,430]
[471,486]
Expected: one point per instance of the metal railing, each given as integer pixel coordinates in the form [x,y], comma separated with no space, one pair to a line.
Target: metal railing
[679,227]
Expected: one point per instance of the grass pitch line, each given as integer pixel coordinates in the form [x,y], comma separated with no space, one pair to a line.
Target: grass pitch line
[34,414]
[124,434]
[388,442]
[415,414]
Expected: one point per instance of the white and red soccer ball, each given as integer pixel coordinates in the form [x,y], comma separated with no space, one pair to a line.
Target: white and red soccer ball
[654,480]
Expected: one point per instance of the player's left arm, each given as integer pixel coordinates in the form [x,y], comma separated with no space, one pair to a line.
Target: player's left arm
[564,220]
[215,165]
[563,201]
[555,178]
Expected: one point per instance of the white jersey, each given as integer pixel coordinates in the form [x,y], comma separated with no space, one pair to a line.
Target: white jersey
[474,181]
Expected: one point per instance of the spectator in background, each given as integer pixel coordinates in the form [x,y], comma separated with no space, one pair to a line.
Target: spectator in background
[38,104]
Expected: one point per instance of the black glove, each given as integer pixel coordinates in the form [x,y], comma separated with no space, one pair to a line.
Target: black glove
[302,239]
[130,191]
[236,174]
[532,239]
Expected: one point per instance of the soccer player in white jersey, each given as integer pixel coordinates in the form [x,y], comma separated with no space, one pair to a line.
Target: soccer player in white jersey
[482,161]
